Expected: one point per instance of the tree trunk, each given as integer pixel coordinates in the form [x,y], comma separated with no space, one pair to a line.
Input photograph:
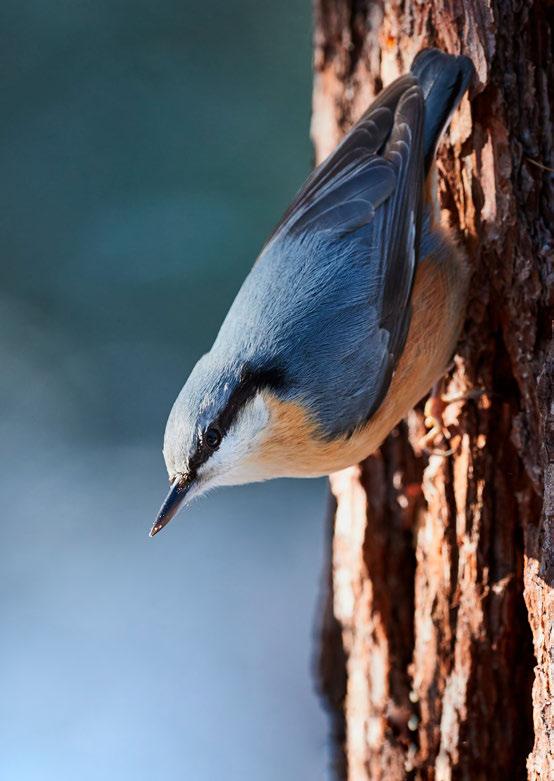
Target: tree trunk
[438,634]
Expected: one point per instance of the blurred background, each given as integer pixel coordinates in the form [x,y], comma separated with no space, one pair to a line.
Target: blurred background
[146,151]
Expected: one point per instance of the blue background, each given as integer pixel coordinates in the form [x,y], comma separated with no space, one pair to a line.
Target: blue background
[147,149]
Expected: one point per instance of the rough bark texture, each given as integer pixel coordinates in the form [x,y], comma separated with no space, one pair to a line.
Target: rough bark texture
[438,635]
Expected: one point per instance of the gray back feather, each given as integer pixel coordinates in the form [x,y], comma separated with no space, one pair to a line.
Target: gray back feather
[327,302]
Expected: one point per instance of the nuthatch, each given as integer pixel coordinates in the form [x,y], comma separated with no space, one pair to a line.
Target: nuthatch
[349,315]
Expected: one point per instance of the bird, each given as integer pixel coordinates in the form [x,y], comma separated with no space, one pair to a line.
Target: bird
[350,313]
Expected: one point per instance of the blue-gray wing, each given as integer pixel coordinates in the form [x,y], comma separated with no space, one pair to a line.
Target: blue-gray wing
[368,193]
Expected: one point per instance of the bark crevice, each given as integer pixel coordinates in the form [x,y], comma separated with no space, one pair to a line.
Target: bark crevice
[441,569]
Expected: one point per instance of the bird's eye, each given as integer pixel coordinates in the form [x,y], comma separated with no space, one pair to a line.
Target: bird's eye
[212,437]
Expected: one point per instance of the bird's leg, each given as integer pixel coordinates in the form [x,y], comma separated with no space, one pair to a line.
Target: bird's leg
[433,411]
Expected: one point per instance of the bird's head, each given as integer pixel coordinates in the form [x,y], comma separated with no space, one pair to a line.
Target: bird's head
[218,430]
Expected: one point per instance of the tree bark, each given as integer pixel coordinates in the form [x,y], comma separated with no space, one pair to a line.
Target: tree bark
[438,638]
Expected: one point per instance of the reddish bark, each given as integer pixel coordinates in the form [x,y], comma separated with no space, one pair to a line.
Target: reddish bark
[438,640]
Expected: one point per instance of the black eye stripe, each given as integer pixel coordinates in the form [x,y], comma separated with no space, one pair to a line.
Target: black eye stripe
[250,382]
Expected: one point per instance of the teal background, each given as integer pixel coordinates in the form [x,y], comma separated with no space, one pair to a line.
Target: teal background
[146,151]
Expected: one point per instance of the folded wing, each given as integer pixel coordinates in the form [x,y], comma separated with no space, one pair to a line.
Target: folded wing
[369,191]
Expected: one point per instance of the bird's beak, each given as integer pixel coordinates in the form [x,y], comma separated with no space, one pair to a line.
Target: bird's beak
[172,504]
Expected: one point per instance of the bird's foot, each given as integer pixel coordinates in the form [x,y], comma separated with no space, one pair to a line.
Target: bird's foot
[438,440]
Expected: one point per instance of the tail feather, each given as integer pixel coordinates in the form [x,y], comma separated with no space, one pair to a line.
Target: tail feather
[444,78]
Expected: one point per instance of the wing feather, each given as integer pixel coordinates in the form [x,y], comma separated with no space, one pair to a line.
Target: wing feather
[369,192]
[366,139]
